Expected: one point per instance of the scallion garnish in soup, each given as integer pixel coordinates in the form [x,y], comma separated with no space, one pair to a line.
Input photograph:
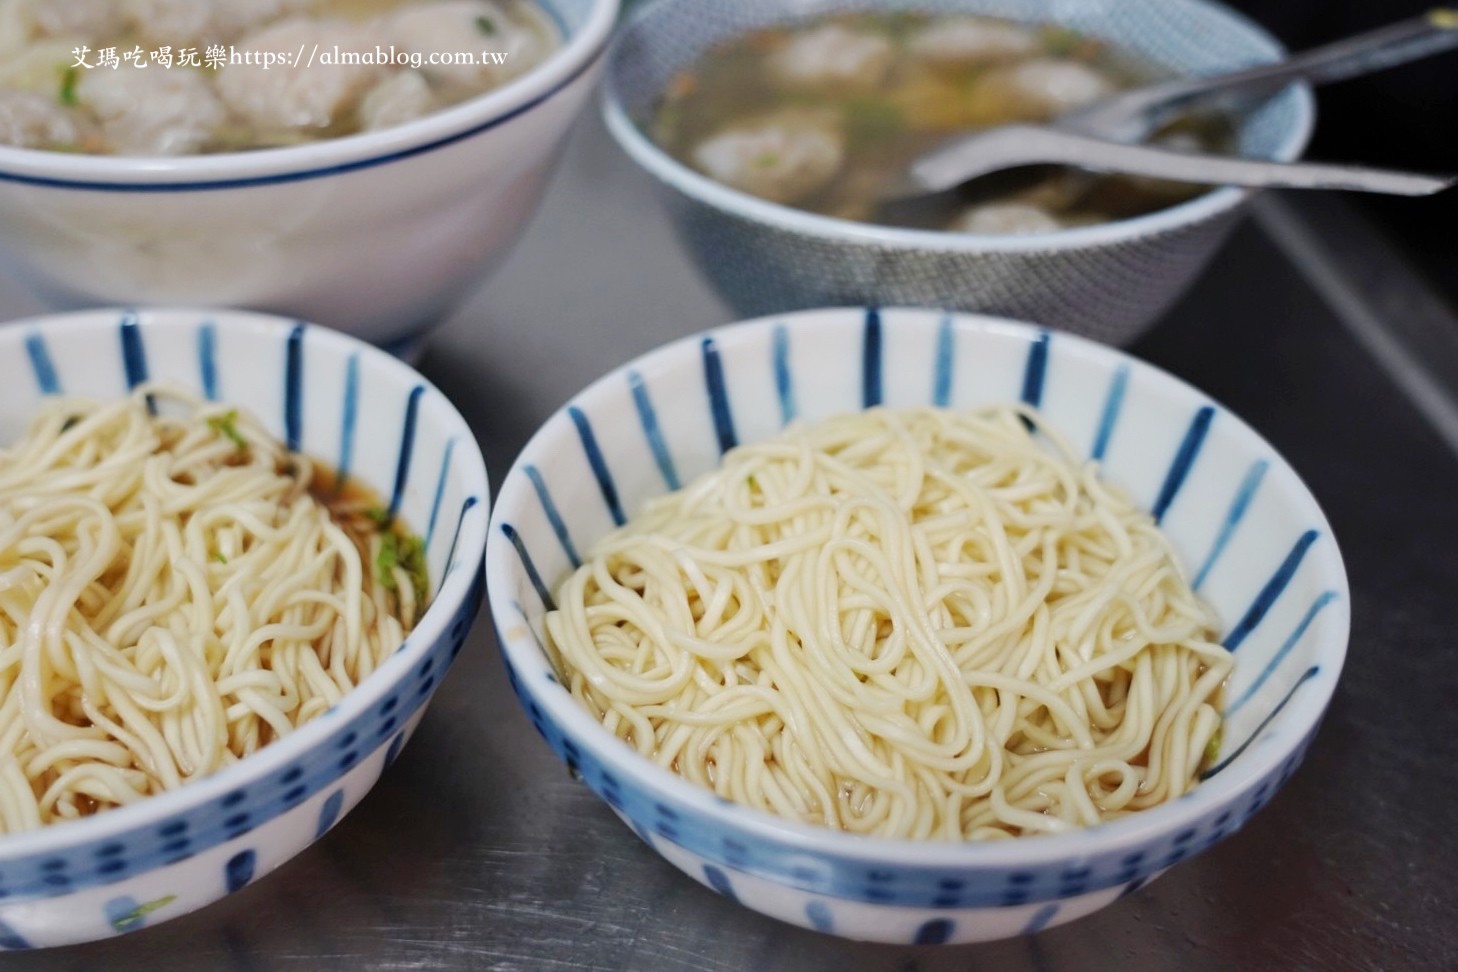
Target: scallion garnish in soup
[179,77]
[826,113]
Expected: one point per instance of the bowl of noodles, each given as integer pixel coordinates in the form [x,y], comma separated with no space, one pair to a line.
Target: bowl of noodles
[773,126]
[237,555]
[912,626]
[362,165]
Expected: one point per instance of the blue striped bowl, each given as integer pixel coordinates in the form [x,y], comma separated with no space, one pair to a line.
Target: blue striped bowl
[1251,536]
[374,419]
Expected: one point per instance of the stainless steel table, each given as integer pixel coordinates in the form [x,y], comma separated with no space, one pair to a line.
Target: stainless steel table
[476,851]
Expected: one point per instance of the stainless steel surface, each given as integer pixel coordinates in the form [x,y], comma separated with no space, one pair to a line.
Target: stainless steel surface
[1013,146]
[476,851]
[1132,115]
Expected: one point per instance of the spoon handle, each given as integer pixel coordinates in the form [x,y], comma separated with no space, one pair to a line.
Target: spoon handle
[1133,115]
[1017,145]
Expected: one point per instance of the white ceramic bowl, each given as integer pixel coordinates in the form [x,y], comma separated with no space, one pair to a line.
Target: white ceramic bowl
[377,234]
[334,398]
[1254,541]
[1108,281]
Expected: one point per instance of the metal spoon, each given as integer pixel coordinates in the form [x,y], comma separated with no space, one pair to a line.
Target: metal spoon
[1012,146]
[1131,116]
[1097,136]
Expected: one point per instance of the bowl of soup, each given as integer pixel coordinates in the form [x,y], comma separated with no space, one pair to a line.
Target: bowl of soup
[240,554]
[775,129]
[911,626]
[360,163]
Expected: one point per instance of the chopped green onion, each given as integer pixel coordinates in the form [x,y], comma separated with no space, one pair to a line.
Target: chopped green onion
[486,26]
[218,556]
[1212,748]
[407,553]
[69,77]
[379,516]
[133,918]
[226,425]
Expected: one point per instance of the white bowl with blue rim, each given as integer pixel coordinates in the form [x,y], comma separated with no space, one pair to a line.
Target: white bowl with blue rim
[1107,281]
[375,420]
[1253,540]
[378,234]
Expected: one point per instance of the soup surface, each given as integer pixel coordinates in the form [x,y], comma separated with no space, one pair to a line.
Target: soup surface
[826,114]
[178,77]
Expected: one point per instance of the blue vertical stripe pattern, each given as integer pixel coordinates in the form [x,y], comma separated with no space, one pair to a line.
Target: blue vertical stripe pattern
[1036,370]
[819,916]
[871,390]
[347,422]
[294,389]
[125,913]
[134,355]
[407,449]
[559,526]
[1109,419]
[12,940]
[648,418]
[1243,495]
[450,561]
[532,632]
[440,487]
[1305,677]
[1184,458]
[598,463]
[945,356]
[509,531]
[784,382]
[40,364]
[329,813]
[239,870]
[1322,601]
[719,881]
[1271,592]
[934,932]
[207,360]
[1040,919]
[394,749]
[718,397]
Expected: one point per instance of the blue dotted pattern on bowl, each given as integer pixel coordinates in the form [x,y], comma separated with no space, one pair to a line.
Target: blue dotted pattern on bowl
[240,811]
[852,880]
[934,887]
[237,813]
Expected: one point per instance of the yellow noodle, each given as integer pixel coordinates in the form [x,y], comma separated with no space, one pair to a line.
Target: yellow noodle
[172,598]
[908,623]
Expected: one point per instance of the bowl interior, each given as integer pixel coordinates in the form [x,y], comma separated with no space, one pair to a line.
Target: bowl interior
[1250,536]
[331,397]
[365,415]
[583,25]
[1183,37]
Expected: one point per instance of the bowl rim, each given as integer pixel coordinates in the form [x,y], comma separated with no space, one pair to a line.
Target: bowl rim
[454,589]
[695,185]
[330,156]
[521,651]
